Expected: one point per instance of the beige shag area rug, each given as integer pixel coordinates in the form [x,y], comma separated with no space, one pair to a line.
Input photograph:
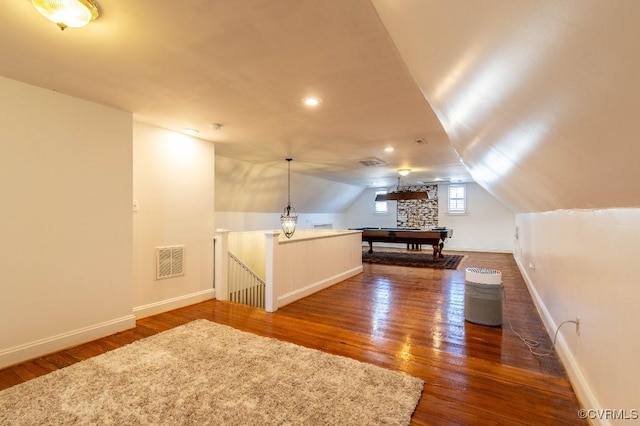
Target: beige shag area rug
[205,373]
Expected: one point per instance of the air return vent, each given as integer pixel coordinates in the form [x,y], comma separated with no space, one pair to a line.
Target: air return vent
[169,262]
[372,162]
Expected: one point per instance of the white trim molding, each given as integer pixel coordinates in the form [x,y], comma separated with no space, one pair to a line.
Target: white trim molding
[173,303]
[583,390]
[298,294]
[62,341]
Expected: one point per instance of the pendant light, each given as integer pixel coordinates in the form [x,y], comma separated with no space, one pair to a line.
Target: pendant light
[403,194]
[289,217]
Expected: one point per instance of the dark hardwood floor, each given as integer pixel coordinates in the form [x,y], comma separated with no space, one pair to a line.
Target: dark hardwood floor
[406,319]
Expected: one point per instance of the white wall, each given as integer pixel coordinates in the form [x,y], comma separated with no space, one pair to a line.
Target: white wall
[362,212]
[246,187]
[251,197]
[251,221]
[173,184]
[65,180]
[585,267]
[488,226]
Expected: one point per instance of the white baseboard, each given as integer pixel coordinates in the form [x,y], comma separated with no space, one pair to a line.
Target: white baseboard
[477,249]
[174,303]
[290,297]
[62,341]
[31,350]
[581,386]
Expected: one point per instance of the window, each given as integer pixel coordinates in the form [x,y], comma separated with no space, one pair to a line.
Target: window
[381,206]
[457,199]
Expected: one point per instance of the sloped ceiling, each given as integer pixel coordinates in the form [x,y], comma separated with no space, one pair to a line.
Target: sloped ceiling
[246,64]
[242,186]
[538,97]
[533,99]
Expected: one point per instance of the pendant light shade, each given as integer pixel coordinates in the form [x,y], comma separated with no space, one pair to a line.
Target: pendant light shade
[289,217]
[67,13]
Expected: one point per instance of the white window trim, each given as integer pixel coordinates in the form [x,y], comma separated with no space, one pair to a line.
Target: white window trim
[386,204]
[464,198]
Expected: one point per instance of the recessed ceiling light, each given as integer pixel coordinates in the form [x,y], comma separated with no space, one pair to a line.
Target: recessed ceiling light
[404,172]
[388,149]
[192,132]
[311,101]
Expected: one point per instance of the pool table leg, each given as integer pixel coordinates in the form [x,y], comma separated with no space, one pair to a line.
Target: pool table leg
[370,247]
[437,250]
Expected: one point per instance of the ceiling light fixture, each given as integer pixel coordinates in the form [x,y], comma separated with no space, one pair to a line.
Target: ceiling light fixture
[67,13]
[404,172]
[388,149]
[311,101]
[192,132]
[289,217]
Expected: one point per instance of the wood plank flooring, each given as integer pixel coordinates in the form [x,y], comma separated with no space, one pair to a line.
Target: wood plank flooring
[406,319]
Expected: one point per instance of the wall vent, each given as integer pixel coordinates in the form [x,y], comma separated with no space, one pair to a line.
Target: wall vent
[169,262]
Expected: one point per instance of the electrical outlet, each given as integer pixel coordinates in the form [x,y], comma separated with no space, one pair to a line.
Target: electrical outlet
[578,326]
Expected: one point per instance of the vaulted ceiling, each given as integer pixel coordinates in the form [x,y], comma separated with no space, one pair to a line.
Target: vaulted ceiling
[532,99]
[537,96]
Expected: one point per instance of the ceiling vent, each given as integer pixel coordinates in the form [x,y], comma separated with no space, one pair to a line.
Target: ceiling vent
[169,262]
[372,162]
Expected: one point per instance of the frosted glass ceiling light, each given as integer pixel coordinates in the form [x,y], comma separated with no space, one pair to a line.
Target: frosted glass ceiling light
[289,217]
[311,101]
[67,13]
[192,132]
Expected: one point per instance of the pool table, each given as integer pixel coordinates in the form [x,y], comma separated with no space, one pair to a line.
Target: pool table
[415,236]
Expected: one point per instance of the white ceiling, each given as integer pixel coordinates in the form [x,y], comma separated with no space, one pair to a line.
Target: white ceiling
[537,98]
[246,65]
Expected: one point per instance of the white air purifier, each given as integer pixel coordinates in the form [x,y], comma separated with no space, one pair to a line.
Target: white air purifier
[483,296]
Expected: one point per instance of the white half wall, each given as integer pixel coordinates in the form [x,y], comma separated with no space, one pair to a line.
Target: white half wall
[65,180]
[581,263]
[173,184]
